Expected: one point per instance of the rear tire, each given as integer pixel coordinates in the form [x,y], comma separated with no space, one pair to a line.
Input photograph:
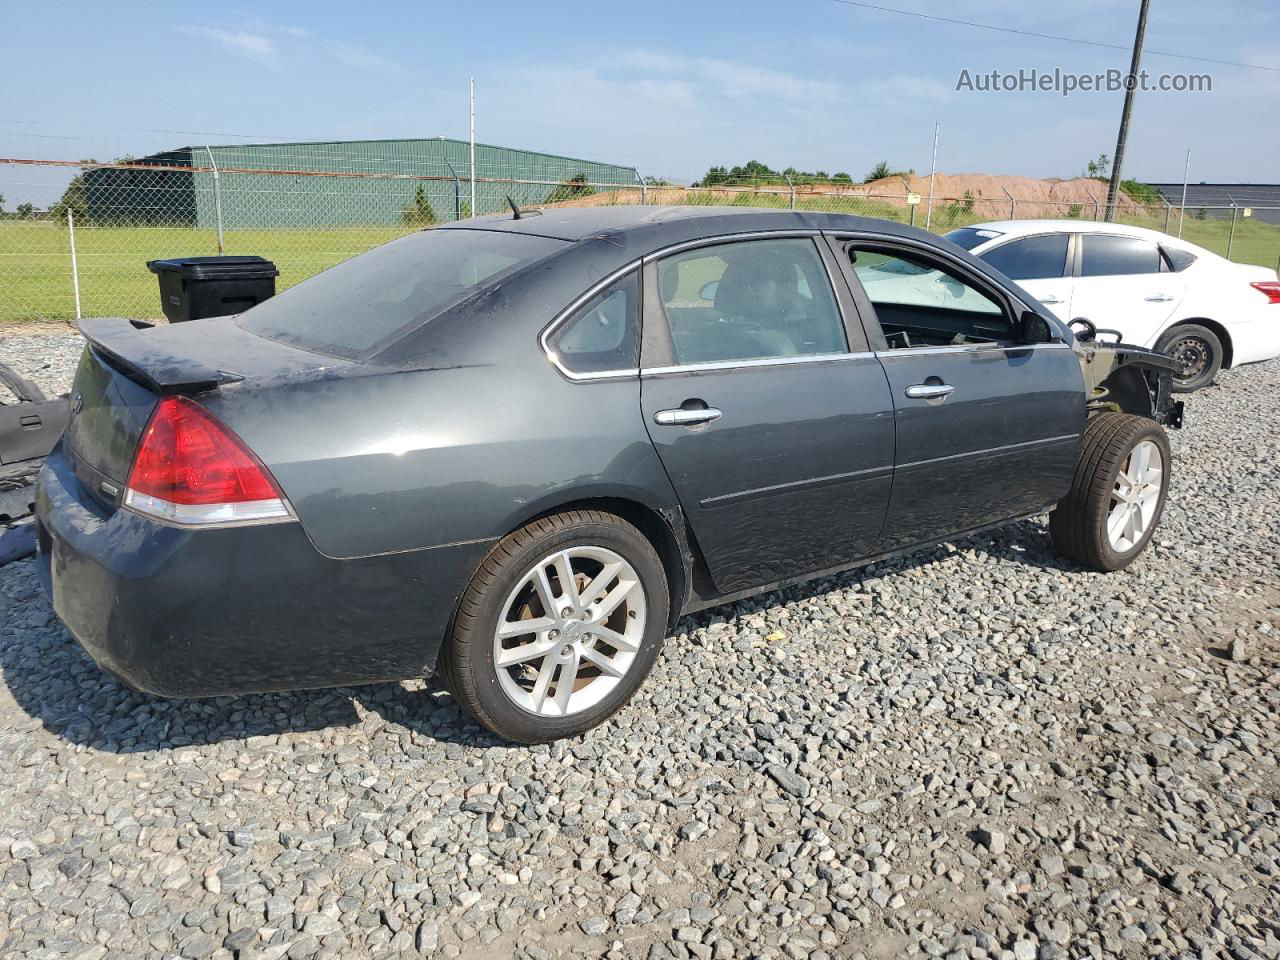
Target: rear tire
[1200,352]
[598,638]
[1112,509]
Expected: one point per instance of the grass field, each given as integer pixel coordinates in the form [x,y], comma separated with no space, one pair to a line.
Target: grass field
[35,263]
[36,279]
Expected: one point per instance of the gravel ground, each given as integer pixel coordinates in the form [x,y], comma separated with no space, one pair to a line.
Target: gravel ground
[977,751]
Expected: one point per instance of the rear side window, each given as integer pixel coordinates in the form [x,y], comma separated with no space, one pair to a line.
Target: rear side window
[601,335]
[365,303]
[1106,256]
[750,300]
[1178,260]
[970,237]
[1032,258]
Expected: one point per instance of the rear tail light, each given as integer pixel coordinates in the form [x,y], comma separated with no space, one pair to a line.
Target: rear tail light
[1268,288]
[192,470]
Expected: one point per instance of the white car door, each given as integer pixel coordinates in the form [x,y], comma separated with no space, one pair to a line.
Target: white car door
[1040,266]
[1124,284]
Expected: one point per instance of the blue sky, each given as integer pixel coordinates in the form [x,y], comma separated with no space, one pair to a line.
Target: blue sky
[670,88]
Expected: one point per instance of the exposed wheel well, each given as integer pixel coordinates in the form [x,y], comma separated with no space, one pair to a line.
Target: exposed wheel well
[1219,330]
[657,530]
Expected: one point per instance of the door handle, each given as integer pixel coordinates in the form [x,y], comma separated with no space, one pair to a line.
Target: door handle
[681,417]
[929,391]
[1159,298]
[1050,299]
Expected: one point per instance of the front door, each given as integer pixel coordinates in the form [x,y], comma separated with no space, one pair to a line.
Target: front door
[988,429]
[777,438]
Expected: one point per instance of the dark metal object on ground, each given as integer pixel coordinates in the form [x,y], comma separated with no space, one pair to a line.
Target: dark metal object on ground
[29,428]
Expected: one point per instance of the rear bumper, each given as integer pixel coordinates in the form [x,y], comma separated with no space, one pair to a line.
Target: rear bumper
[184,613]
[1256,340]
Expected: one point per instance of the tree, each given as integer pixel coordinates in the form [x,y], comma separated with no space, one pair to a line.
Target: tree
[73,199]
[25,210]
[841,177]
[419,213]
[1,203]
[571,188]
[879,172]
[1098,169]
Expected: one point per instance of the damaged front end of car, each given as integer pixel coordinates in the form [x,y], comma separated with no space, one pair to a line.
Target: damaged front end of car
[1123,378]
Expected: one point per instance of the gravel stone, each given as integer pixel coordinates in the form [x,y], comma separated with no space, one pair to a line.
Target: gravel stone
[975,751]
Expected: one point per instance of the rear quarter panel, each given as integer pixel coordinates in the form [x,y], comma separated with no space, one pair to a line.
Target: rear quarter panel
[405,460]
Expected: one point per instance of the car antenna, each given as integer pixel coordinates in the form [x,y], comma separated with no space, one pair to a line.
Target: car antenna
[517,213]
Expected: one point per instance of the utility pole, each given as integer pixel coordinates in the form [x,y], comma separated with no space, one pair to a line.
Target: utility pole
[1182,209]
[473,146]
[1131,87]
[933,172]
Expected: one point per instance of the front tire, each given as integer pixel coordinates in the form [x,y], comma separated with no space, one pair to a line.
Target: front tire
[559,627]
[1198,350]
[1118,494]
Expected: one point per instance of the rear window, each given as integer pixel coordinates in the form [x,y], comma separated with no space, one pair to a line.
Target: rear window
[970,237]
[361,305]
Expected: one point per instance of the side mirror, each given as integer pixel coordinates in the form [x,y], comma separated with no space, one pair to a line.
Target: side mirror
[1033,328]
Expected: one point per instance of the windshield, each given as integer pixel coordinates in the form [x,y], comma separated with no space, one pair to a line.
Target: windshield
[970,237]
[359,306]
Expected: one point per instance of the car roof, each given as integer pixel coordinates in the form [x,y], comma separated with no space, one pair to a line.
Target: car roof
[1016,228]
[657,226]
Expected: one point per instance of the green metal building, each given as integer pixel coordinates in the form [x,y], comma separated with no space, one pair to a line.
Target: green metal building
[326,189]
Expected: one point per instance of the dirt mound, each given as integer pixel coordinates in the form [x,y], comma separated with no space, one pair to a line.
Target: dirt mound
[978,196]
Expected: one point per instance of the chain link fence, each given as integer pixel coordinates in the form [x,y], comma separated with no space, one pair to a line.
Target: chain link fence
[86,254]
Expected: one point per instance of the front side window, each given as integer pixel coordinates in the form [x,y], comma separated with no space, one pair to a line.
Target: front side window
[363,304]
[1107,256]
[750,300]
[601,335]
[1031,258]
[920,304]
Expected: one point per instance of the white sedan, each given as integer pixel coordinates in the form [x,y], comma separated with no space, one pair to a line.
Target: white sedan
[1157,291]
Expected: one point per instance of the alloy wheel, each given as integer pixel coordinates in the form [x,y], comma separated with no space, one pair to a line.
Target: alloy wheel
[1135,496]
[569,631]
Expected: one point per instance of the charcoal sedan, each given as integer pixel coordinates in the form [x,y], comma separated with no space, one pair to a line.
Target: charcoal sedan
[515,449]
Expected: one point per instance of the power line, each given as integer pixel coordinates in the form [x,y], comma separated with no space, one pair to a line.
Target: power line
[1050,36]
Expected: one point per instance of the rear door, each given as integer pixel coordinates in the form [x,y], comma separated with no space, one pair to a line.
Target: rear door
[988,428]
[1041,266]
[1125,284]
[772,418]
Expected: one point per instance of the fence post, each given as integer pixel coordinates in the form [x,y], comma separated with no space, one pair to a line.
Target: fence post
[75,268]
[1231,237]
[792,187]
[457,191]
[1168,211]
[217,199]
[1094,200]
[1013,204]
[644,187]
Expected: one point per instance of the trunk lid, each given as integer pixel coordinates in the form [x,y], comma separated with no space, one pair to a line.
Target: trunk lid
[127,366]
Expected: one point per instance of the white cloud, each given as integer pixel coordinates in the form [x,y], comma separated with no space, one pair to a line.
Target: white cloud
[362,59]
[255,46]
[730,78]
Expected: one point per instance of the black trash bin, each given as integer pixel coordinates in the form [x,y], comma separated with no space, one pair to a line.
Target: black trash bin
[192,288]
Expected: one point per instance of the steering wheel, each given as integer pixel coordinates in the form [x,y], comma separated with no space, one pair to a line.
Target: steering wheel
[1088,329]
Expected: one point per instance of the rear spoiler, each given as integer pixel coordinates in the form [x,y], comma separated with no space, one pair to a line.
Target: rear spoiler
[125,345]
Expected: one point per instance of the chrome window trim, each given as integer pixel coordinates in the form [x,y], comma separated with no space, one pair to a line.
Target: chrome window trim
[730,238]
[757,362]
[544,338]
[969,348]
